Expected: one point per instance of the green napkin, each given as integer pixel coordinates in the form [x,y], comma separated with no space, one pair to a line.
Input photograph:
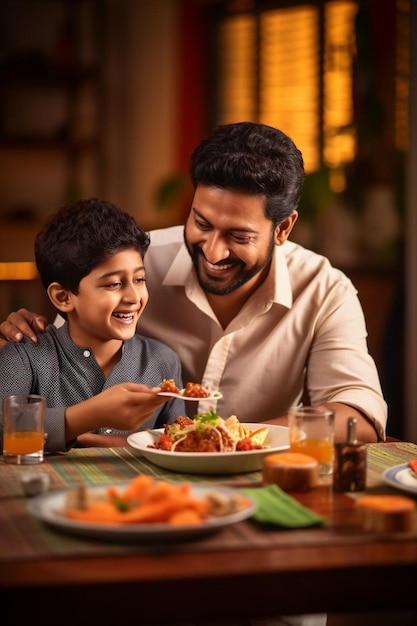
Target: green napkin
[277,507]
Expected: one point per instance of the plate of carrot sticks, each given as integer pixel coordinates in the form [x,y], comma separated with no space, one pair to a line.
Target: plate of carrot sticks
[142,509]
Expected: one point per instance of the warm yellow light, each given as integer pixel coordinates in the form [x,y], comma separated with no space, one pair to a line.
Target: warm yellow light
[289,82]
[237,72]
[338,130]
[24,270]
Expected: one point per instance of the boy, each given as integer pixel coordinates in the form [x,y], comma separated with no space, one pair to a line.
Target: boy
[100,379]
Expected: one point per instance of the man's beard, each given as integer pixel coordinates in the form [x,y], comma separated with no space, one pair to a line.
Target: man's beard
[210,286]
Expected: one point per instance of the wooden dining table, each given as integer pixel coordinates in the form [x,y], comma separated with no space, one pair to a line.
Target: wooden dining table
[240,571]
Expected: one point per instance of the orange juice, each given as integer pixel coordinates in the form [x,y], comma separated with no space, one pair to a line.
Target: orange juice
[320,449]
[26,442]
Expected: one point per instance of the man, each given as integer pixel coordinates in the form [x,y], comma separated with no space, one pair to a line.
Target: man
[249,312]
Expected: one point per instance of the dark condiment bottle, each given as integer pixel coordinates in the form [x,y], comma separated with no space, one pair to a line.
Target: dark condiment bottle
[349,472]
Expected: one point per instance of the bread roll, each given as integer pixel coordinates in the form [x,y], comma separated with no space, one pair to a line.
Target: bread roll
[386,513]
[292,471]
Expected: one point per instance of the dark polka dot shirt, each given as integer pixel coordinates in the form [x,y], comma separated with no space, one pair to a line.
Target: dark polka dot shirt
[67,374]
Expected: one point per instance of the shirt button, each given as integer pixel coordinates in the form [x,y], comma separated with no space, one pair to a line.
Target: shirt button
[87,353]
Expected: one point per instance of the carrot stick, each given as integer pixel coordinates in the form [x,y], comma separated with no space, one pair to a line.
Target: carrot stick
[185,516]
[162,510]
[104,512]
[137,487]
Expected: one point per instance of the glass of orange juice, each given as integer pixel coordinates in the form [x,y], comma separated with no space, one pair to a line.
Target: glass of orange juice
[23,429]
[311,431]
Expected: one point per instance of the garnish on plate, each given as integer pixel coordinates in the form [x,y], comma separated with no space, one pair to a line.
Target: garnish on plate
[208,432]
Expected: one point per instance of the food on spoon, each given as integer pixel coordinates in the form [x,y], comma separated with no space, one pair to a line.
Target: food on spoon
[386,513]
[208,432]
[146,500]
[192,390]
[195,390]
[291,471]
[168,385]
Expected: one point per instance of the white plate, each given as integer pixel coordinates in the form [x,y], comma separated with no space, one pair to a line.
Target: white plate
[210,462]
[48,509]
[216,395]
[400,476]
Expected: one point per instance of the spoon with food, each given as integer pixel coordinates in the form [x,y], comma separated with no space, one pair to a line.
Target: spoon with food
[192,391]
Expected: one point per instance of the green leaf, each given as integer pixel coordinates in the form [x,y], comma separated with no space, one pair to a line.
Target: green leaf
[211,418]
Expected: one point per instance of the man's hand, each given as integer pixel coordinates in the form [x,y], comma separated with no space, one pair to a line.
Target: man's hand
[22,323]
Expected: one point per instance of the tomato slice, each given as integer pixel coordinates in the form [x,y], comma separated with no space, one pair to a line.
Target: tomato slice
[413,465]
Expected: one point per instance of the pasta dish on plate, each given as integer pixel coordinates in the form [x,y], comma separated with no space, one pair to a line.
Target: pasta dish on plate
[208,432]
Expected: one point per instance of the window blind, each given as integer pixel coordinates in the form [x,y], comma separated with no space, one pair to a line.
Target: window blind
[274,66]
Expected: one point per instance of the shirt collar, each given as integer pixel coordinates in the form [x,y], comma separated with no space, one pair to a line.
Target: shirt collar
[180,270]
[280,275]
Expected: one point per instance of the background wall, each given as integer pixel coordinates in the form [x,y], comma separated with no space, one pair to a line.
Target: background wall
[141,87]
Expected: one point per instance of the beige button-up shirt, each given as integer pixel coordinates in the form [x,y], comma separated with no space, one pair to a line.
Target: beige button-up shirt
[303,326]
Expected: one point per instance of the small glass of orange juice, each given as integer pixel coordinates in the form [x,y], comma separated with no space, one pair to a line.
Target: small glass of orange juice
[23,429]
[311,431]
